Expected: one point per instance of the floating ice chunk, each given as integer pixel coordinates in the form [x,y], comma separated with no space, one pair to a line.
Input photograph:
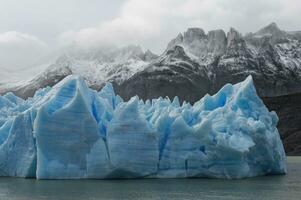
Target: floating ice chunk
[70,131]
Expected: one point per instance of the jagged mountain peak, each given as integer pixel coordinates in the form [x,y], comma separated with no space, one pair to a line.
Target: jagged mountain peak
[272,25]
[177,40]
[176,52]
[193,34]
[270,29]
[233,30]
[198,44]
[149,55]
[217,41]
[218,33]
[148,52]
[271,32]
[233,36]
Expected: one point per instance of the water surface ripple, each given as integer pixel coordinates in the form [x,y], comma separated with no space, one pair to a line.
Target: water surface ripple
[267,188]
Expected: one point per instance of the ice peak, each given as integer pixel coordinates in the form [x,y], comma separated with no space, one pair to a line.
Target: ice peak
[129,110]
[73,85]
[247,83]
[108,88]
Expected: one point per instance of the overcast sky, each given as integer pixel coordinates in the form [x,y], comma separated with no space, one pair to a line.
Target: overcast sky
[30,29]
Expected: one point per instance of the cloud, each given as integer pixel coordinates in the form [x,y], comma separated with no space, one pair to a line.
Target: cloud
[153,23]
[149,23]
[19,50]
[13,37]
[129,26]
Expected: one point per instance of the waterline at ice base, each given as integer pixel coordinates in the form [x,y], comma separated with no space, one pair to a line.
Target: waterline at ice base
[70,131]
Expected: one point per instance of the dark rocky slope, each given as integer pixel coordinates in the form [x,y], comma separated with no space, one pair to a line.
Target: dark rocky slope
[288,109]
[175,74]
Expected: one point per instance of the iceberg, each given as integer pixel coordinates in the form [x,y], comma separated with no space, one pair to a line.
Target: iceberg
[70,131]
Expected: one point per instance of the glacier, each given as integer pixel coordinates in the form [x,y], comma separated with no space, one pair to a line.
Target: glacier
[70,131]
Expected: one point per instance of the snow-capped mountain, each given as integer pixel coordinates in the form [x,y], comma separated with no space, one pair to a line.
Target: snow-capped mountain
[193,64]
[270,55]
[95,66]
[173,73]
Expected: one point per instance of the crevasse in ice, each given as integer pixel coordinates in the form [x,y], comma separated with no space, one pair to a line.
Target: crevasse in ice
[70,131]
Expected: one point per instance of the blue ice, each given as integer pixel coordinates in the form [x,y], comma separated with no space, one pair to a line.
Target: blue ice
[70,132]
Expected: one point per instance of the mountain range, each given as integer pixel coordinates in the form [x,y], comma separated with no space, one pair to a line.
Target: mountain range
[194,63]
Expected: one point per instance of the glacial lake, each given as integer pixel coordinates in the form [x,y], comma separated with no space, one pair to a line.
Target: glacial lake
[267,188]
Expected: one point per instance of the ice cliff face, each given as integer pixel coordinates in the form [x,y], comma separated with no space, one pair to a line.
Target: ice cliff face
[70,131]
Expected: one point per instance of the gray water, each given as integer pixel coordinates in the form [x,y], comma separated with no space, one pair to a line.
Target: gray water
[268,187]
